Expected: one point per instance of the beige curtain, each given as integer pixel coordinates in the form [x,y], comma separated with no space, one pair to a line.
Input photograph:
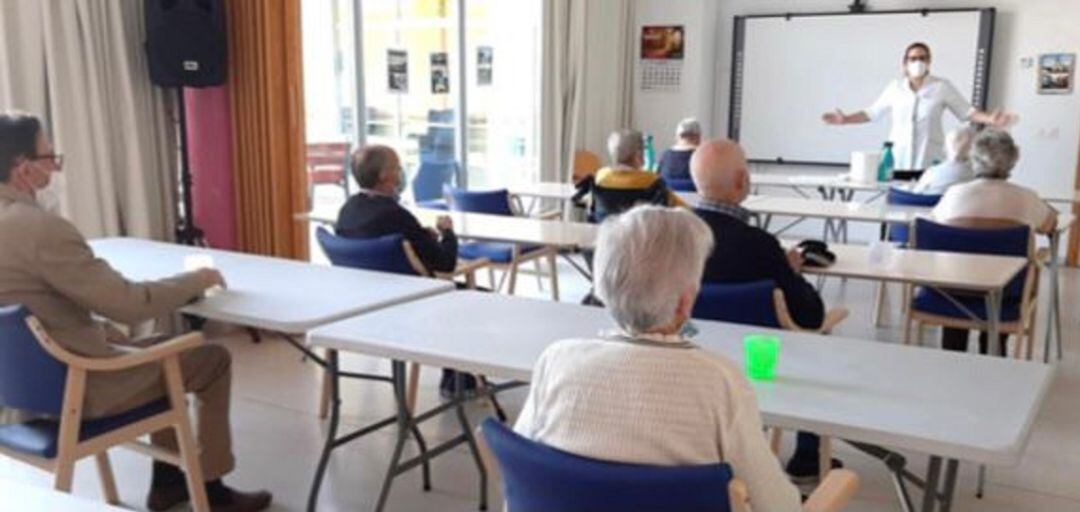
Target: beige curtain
[587,91]
[80,65]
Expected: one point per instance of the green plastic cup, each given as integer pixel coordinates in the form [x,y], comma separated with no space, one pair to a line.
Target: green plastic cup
[762,354]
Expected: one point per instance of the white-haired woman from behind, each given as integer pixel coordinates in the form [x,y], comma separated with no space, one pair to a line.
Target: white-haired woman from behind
[675,162]
[957,167]
[642,393]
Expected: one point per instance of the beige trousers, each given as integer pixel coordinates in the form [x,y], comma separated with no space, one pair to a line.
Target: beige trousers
[207,374]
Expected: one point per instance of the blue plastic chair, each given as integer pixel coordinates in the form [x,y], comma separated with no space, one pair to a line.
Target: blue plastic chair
[898,232]
[40,377]
[390,253]
[752,303]
[931,306]
[507,256]
[758,303]
[539,478]
[430,179]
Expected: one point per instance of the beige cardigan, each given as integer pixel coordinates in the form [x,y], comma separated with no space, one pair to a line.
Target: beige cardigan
[653,402]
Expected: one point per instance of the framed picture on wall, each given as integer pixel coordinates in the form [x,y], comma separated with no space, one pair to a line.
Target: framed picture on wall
[397,70]
[1057,71]
[440,73]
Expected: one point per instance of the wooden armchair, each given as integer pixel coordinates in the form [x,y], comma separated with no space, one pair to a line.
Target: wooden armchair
[41,377]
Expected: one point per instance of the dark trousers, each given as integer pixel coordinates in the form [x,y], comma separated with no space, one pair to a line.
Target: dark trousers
[957,340]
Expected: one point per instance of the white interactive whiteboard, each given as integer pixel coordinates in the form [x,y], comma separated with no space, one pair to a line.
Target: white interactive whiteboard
[788,69]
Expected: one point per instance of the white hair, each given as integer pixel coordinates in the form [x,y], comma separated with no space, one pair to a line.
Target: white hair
[688,127]
[993,154]
[645,260]
[624,145]
[958,143]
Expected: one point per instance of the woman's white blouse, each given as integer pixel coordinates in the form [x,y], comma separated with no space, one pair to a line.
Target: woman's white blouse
[917,134]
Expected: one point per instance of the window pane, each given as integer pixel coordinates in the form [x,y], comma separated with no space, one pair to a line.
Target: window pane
[404,109]
[503,91]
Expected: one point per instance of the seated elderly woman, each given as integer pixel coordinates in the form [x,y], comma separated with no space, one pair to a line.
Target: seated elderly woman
[642,393]
[675,162]
[957,169]
[991,197]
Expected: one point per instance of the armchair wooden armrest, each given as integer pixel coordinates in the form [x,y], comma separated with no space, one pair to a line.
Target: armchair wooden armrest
[783,315]
[832,318]
[154,353]
[464,268]
[549,215]
[834,493]
[1042,256]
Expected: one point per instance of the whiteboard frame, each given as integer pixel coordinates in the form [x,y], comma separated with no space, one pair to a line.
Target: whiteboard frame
[983,58]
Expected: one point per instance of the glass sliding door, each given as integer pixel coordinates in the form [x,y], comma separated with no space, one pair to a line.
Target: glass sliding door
[502,40]
[413,70]
[410,52]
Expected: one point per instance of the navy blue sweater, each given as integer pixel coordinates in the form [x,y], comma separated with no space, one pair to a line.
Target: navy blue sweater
[744,253]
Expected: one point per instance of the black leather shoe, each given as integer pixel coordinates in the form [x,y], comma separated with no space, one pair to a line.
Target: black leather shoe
[163,498]
[805,472]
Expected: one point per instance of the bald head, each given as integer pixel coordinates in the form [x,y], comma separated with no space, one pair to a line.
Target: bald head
[719,171]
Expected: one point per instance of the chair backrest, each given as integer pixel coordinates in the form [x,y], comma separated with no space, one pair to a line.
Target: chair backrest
[586,163]
[541,478]
[681,184]
[430,178]
[751,303]
[1008,239]
[382,254]
[495,202]
[904,197]
[613,201]
[327,154]
[898,232]
[31,379]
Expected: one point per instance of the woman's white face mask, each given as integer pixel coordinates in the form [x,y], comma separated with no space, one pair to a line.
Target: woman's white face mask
[917,68]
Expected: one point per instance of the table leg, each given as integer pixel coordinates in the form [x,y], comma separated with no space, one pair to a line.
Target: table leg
[331,434]
[951,468]
[1053,310]
[470,439]
[933,472]
[980,487]
[993,319]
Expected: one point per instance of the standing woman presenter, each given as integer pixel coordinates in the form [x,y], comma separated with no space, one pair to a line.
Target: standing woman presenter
[917,101]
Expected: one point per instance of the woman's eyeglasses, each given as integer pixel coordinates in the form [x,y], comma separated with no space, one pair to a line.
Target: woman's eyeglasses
[55,158]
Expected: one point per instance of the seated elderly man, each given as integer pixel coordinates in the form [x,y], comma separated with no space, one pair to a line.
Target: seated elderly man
[624,184]
[956,169]
[991,196]
[745,253]
[47,266]
[374,211]
[675,162]
[642,393]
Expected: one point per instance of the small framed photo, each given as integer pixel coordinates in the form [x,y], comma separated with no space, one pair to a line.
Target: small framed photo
[1057,71]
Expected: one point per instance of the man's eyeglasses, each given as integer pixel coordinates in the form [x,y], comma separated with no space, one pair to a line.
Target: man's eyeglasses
[56,158]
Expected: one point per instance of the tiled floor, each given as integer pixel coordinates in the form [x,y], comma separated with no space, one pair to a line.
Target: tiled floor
[278,436]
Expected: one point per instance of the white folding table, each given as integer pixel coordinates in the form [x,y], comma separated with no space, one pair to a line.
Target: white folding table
[946,405]
[274,294]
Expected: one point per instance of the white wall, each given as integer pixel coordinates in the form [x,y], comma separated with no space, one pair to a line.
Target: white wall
[1049,128]
[658,112]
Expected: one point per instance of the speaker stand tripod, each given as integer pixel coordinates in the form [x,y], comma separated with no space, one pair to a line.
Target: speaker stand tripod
[187,232]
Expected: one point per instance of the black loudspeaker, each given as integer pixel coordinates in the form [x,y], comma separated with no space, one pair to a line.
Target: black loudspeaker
[185,42]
